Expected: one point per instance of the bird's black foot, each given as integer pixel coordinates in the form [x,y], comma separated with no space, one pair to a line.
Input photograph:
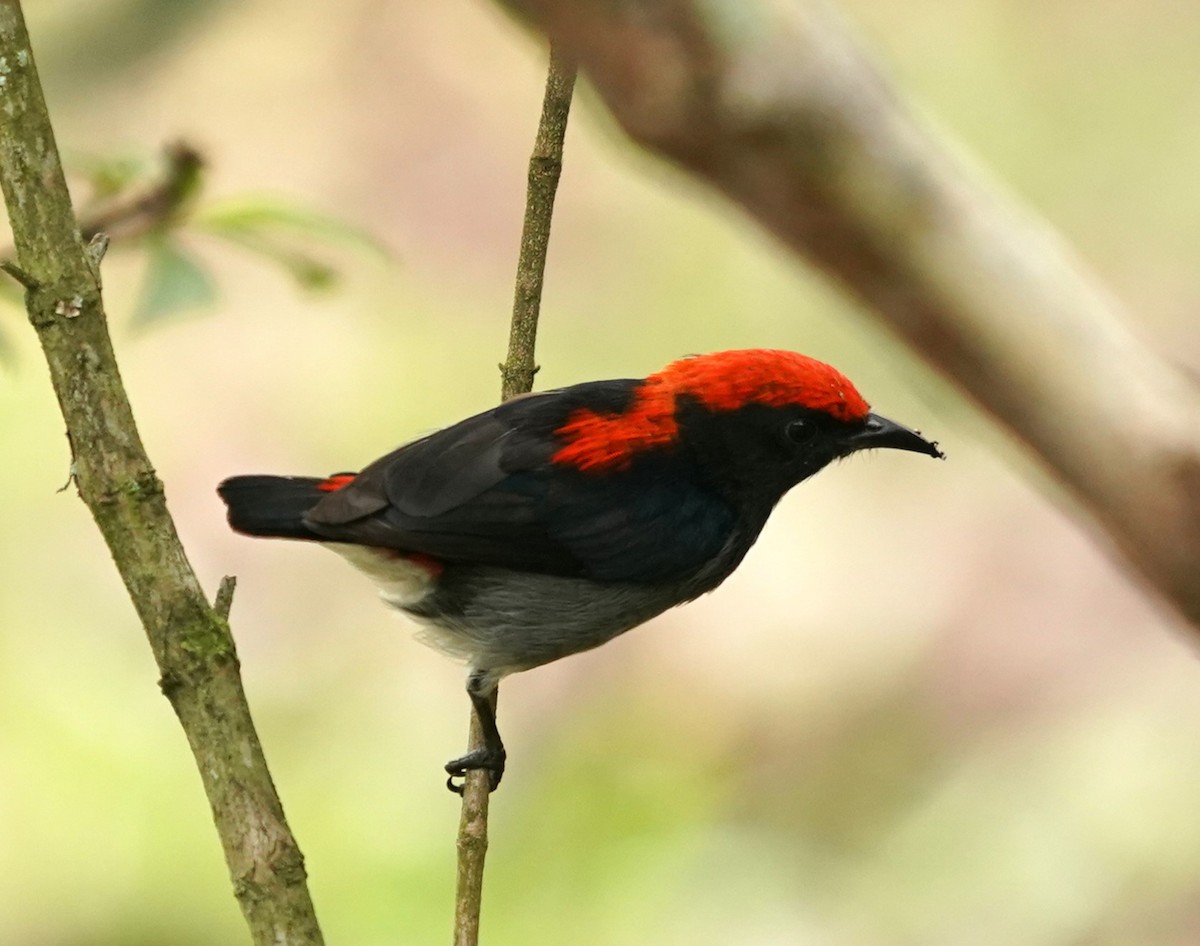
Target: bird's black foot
[483,758]
[481,688]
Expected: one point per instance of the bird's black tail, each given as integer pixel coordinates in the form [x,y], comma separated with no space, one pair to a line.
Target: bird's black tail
[272,505]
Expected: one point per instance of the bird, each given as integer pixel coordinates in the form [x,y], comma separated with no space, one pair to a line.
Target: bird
[551,523]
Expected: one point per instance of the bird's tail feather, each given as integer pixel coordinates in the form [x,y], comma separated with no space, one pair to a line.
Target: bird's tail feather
[272,505]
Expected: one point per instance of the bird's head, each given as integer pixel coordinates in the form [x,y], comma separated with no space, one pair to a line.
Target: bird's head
[754,422]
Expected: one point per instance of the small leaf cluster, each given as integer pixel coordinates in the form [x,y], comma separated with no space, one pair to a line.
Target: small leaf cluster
[155,206]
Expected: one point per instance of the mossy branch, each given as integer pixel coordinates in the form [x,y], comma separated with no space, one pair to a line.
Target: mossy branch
[545,168]
[190,639]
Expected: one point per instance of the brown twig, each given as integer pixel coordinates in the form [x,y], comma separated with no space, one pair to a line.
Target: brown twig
[224,599]
[190,640]
[545,167]
[154,206]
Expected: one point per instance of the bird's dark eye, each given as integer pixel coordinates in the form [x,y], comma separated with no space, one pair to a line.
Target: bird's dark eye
[800,431]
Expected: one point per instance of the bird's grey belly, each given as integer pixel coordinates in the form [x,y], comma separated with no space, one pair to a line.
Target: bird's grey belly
[501,622]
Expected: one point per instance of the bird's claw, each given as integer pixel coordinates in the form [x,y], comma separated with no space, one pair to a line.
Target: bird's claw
[492,762]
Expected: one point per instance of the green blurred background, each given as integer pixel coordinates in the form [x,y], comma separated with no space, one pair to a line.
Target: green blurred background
[930,709]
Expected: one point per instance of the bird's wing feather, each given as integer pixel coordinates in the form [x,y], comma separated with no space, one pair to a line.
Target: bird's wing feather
[486,492]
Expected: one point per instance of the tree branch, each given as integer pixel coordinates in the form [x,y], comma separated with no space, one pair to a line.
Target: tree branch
[190,640]
[774,105]
[545,167]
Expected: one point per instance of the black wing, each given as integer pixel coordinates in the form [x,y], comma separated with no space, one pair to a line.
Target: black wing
[486,491]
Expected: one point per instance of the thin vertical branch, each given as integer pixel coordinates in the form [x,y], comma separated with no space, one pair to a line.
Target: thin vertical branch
[190,639]
[545,168]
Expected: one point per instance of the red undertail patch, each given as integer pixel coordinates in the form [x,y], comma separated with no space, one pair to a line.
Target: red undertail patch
[433,566]
[427,562]
[336,482]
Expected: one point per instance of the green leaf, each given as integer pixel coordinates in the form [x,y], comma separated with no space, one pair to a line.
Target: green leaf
[109,175]
[275,219]
[308,271]
[288,235]
[174,282]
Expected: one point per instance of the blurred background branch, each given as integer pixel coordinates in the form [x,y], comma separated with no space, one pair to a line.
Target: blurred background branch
[153,206]
[190,639]
[775,105]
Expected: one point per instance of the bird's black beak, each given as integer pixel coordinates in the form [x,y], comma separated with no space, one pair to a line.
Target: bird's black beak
[877,431]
